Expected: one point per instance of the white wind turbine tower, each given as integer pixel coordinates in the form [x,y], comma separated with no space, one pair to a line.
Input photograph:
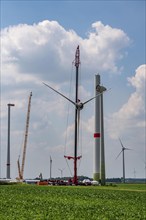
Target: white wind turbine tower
[122,151]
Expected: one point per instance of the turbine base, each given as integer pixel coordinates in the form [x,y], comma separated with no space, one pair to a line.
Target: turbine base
[96,176]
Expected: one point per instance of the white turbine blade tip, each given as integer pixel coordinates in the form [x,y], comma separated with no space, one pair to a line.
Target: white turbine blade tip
[127,148]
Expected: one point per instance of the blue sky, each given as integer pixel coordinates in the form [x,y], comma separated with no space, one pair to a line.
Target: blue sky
[119,58]
[79,15]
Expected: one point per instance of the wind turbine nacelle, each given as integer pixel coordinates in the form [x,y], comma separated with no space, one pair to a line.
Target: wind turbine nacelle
[100,89]
[80,105]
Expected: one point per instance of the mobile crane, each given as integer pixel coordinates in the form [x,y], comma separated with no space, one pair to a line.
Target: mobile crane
[21,169]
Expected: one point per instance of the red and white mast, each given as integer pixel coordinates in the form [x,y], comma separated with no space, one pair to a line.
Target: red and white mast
[79,106]
[77,112]
[77,63]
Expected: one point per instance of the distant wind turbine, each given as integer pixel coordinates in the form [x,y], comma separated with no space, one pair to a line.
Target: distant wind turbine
[61,170]
[122,151]
[134,172]
[50,167]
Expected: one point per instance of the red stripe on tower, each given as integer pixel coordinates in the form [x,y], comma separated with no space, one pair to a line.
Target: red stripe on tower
[96,135]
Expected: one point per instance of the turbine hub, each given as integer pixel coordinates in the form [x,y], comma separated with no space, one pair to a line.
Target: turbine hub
[79,105]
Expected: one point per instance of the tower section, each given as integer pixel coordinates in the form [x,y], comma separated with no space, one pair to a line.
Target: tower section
[97,135]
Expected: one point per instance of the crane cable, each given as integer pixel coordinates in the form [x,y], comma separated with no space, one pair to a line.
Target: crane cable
[79,135]
[80,123]
[67,122]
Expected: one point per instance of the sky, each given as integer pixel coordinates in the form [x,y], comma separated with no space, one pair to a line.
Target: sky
[38,44]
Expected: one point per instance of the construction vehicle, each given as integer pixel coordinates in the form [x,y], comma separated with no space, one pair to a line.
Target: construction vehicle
[21,169]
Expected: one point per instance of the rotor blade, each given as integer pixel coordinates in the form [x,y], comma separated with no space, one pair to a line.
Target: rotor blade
[60,94]
[119,154]
[95,96]
[121,143]
[125,148]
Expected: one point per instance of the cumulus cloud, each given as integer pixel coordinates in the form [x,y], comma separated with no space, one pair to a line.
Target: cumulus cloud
[131,114]
[104,45]
[46,49]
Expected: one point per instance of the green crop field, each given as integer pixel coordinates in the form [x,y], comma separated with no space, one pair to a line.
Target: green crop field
[32,202]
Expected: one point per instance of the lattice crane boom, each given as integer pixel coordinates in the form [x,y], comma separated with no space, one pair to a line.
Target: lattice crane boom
[21,169]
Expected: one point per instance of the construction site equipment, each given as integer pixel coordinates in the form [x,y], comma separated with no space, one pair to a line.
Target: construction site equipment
[21,169]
